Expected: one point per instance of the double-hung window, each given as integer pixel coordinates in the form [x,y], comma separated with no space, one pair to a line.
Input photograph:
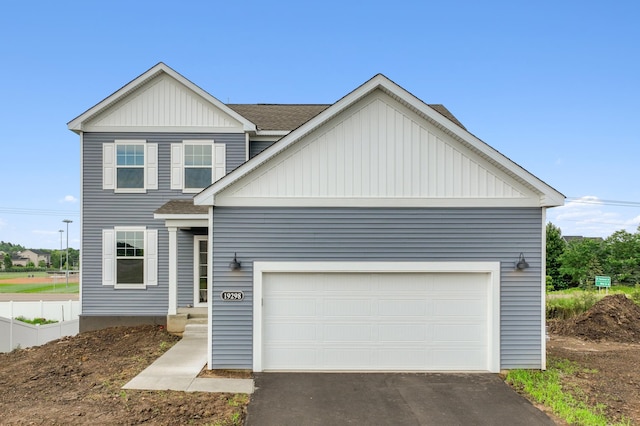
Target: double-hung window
[130,166]
[129,257]
[196,164]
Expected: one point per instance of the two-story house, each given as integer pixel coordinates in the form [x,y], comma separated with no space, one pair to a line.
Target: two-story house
[375,233]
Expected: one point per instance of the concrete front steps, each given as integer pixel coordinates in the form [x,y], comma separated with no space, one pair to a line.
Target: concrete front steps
[188,321]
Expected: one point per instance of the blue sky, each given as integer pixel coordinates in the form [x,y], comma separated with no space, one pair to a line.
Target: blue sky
[553,85]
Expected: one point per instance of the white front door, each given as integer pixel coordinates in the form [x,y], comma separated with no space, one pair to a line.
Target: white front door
[200,270]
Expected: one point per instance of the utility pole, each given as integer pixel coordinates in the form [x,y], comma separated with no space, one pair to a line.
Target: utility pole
[60,254]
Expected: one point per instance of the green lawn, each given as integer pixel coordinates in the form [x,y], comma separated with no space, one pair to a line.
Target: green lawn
[39,288]
[12,275]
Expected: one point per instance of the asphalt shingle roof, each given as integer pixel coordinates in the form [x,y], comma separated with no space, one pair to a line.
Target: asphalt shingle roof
[291,116]
[182,207]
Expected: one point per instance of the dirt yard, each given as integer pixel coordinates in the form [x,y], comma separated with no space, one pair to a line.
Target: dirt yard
[605,343]
[78,380]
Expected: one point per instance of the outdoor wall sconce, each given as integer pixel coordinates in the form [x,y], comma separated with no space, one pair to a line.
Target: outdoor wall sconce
[234,265]
[522,263]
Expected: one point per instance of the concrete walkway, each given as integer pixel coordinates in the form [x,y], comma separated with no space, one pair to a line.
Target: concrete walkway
[178,368]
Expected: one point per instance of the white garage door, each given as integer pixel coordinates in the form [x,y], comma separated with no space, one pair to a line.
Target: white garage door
[375,321]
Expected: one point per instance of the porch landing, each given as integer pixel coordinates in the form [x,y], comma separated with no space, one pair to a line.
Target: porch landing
[193,319]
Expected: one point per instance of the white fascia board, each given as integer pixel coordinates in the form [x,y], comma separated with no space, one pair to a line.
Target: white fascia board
[549,197]
[76,124]
[272,132]
[373,202]
[169,216]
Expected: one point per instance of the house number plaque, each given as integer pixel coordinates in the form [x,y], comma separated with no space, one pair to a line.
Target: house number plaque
[231,296]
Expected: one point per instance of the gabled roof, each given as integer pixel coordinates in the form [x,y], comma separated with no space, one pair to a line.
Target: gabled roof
[548,196]
[278,116]
[76,124]
[287,117]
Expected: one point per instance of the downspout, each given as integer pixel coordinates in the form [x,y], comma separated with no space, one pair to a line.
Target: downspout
[543,296]
[210,290]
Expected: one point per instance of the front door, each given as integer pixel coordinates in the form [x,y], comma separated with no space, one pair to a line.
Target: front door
[200,270]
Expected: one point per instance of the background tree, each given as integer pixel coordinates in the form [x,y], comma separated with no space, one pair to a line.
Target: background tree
[581,262]
[555,247]
[7,261]
[622,257]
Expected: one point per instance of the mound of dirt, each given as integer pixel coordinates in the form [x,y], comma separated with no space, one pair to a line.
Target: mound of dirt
[614,318]
[78,381]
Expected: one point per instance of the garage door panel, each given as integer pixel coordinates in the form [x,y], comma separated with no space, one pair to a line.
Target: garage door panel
[456,307]
[288,306]
[459,359]
[375,321]
[403,333]
[402,307]
[458,333]
[291,332]
[351,307]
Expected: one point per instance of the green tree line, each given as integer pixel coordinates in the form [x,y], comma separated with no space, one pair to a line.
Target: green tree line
[577,262]
[58,259]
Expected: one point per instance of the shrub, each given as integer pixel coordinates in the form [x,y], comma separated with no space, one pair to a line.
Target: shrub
[36,321]
[567,307]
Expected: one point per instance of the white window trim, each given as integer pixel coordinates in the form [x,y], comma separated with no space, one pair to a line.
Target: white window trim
[218,163]
[110,166]
[490,268]
[110,258]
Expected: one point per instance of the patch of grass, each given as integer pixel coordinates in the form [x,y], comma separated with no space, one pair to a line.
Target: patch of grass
[12,275]
[567,307]
[35,321]
[545,387]
[39,288]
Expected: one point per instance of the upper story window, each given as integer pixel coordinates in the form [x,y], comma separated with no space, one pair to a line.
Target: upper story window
[196,164]
[130,166]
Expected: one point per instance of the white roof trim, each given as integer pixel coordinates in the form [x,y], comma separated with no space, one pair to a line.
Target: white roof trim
[77,123]
[549,197]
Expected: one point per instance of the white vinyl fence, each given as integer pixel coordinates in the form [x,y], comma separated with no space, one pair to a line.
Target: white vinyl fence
[14,333]
[59,310]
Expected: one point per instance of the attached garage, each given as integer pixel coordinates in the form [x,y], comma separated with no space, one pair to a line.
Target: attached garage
[378,236]
[366,316]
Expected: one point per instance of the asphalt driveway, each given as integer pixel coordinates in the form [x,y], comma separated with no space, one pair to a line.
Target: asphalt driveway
[303,399]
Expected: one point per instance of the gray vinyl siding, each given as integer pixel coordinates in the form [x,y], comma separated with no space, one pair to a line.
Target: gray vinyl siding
[384,234]
[256,147]
[104,209]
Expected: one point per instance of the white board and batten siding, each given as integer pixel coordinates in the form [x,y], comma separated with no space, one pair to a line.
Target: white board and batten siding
[379,316]
[379,153]
[163,104]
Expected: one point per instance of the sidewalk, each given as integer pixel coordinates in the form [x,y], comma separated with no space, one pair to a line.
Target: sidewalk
[178,368]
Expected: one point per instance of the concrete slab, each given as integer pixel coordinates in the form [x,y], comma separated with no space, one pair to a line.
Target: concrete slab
[178,368]
[222,385]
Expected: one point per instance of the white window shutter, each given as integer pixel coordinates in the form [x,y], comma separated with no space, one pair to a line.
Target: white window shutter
[176,166]
[109,166]
[151,165]
[219,161]
[108,257]
[151,258]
